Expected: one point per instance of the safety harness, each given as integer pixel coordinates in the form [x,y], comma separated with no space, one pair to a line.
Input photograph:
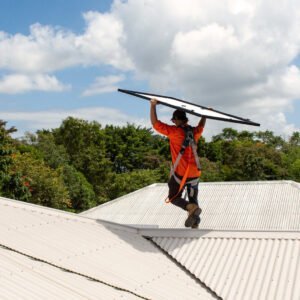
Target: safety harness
[188,141]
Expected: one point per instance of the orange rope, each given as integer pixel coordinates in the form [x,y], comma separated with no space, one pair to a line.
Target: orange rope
[182,182]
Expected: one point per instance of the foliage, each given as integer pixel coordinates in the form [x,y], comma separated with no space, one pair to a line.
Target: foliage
[46,185]
[130,148]
[84,143]
[125,183]
[55,155]
[80,190]
[12,184]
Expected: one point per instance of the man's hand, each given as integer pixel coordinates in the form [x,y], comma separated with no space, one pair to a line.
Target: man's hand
[154,102]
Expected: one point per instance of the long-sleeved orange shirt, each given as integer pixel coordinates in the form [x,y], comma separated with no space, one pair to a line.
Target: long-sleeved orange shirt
[176,137]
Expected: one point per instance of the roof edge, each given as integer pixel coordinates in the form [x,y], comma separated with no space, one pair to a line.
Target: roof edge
[201,233]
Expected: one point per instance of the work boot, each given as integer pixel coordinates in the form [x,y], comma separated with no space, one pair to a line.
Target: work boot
[196,225]
[194,211]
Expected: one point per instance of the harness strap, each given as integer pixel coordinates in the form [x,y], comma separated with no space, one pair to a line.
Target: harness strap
[192,182]
[182,182]
[194,149]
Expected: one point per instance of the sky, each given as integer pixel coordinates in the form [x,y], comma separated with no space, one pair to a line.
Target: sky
[68,58]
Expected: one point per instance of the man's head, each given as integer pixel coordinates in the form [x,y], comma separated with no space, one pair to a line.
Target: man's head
[179,117]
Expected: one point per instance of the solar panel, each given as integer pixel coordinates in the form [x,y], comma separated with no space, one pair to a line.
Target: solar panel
[191,108]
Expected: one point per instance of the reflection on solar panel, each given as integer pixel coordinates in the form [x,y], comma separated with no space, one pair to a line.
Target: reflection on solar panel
[191,108]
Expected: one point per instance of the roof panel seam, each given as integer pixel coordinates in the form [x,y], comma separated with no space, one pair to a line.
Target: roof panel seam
[73,272]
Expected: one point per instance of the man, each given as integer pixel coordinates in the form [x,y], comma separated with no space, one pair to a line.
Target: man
[186,171]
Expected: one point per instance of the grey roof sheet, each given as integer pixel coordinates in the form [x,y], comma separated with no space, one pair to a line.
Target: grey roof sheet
[262,205]
[118,257]
[241,265]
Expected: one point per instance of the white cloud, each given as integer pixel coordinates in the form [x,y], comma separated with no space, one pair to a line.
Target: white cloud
[47,49]
[28,58]
[20,83]
[103,84]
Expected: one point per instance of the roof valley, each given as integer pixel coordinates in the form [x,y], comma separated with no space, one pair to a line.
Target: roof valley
[183,268]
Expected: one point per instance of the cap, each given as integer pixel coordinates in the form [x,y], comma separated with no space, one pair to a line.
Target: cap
[179,115]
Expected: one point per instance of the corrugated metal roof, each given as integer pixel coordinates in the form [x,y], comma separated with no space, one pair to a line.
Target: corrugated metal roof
[257,205]
[64,241]
[24,278]
[242,266]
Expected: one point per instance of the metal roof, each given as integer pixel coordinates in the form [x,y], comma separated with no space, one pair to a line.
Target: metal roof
[51,254]
[24,278]
[241,265]
[238,265]
[253,205]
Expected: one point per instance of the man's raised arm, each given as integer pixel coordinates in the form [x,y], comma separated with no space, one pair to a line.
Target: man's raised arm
[202,122]
[153,114]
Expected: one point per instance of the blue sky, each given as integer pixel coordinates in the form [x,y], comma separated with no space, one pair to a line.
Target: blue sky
[61,58]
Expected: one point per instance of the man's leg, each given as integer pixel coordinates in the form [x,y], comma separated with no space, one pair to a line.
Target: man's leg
[192,191]
[176,199]
[174,196]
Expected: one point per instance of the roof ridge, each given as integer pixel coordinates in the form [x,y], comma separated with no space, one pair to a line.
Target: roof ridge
[201,233]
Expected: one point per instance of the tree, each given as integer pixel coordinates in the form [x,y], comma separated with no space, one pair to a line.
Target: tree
[45,184]
[84,143]
[295,170]
[81,192]
[228,134]
[268,138]
[295,139]
[124,183]
[54,155]
[131,147]
[211,171]
[12,183]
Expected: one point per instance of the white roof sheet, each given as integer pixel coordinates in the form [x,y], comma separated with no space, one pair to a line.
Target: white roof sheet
[63,241]
[240,265]
[23,278]
[262,205]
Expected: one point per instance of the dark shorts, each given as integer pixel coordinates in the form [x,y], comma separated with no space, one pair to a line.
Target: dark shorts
[192,192]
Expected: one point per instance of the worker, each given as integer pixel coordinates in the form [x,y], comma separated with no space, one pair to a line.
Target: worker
[185,172]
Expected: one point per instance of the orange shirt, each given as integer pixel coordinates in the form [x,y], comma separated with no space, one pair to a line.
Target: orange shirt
[176,137]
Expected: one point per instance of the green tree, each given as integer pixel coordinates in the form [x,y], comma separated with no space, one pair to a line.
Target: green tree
[211,171]
[132,147]
[124,183]
[295,170]
[295,139]
[53,154]
[84,143]
[228,134]
[12,183]
[268,138]
[45,184]
[81,192]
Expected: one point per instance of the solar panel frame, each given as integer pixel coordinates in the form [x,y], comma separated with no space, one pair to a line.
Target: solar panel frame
[148,96]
